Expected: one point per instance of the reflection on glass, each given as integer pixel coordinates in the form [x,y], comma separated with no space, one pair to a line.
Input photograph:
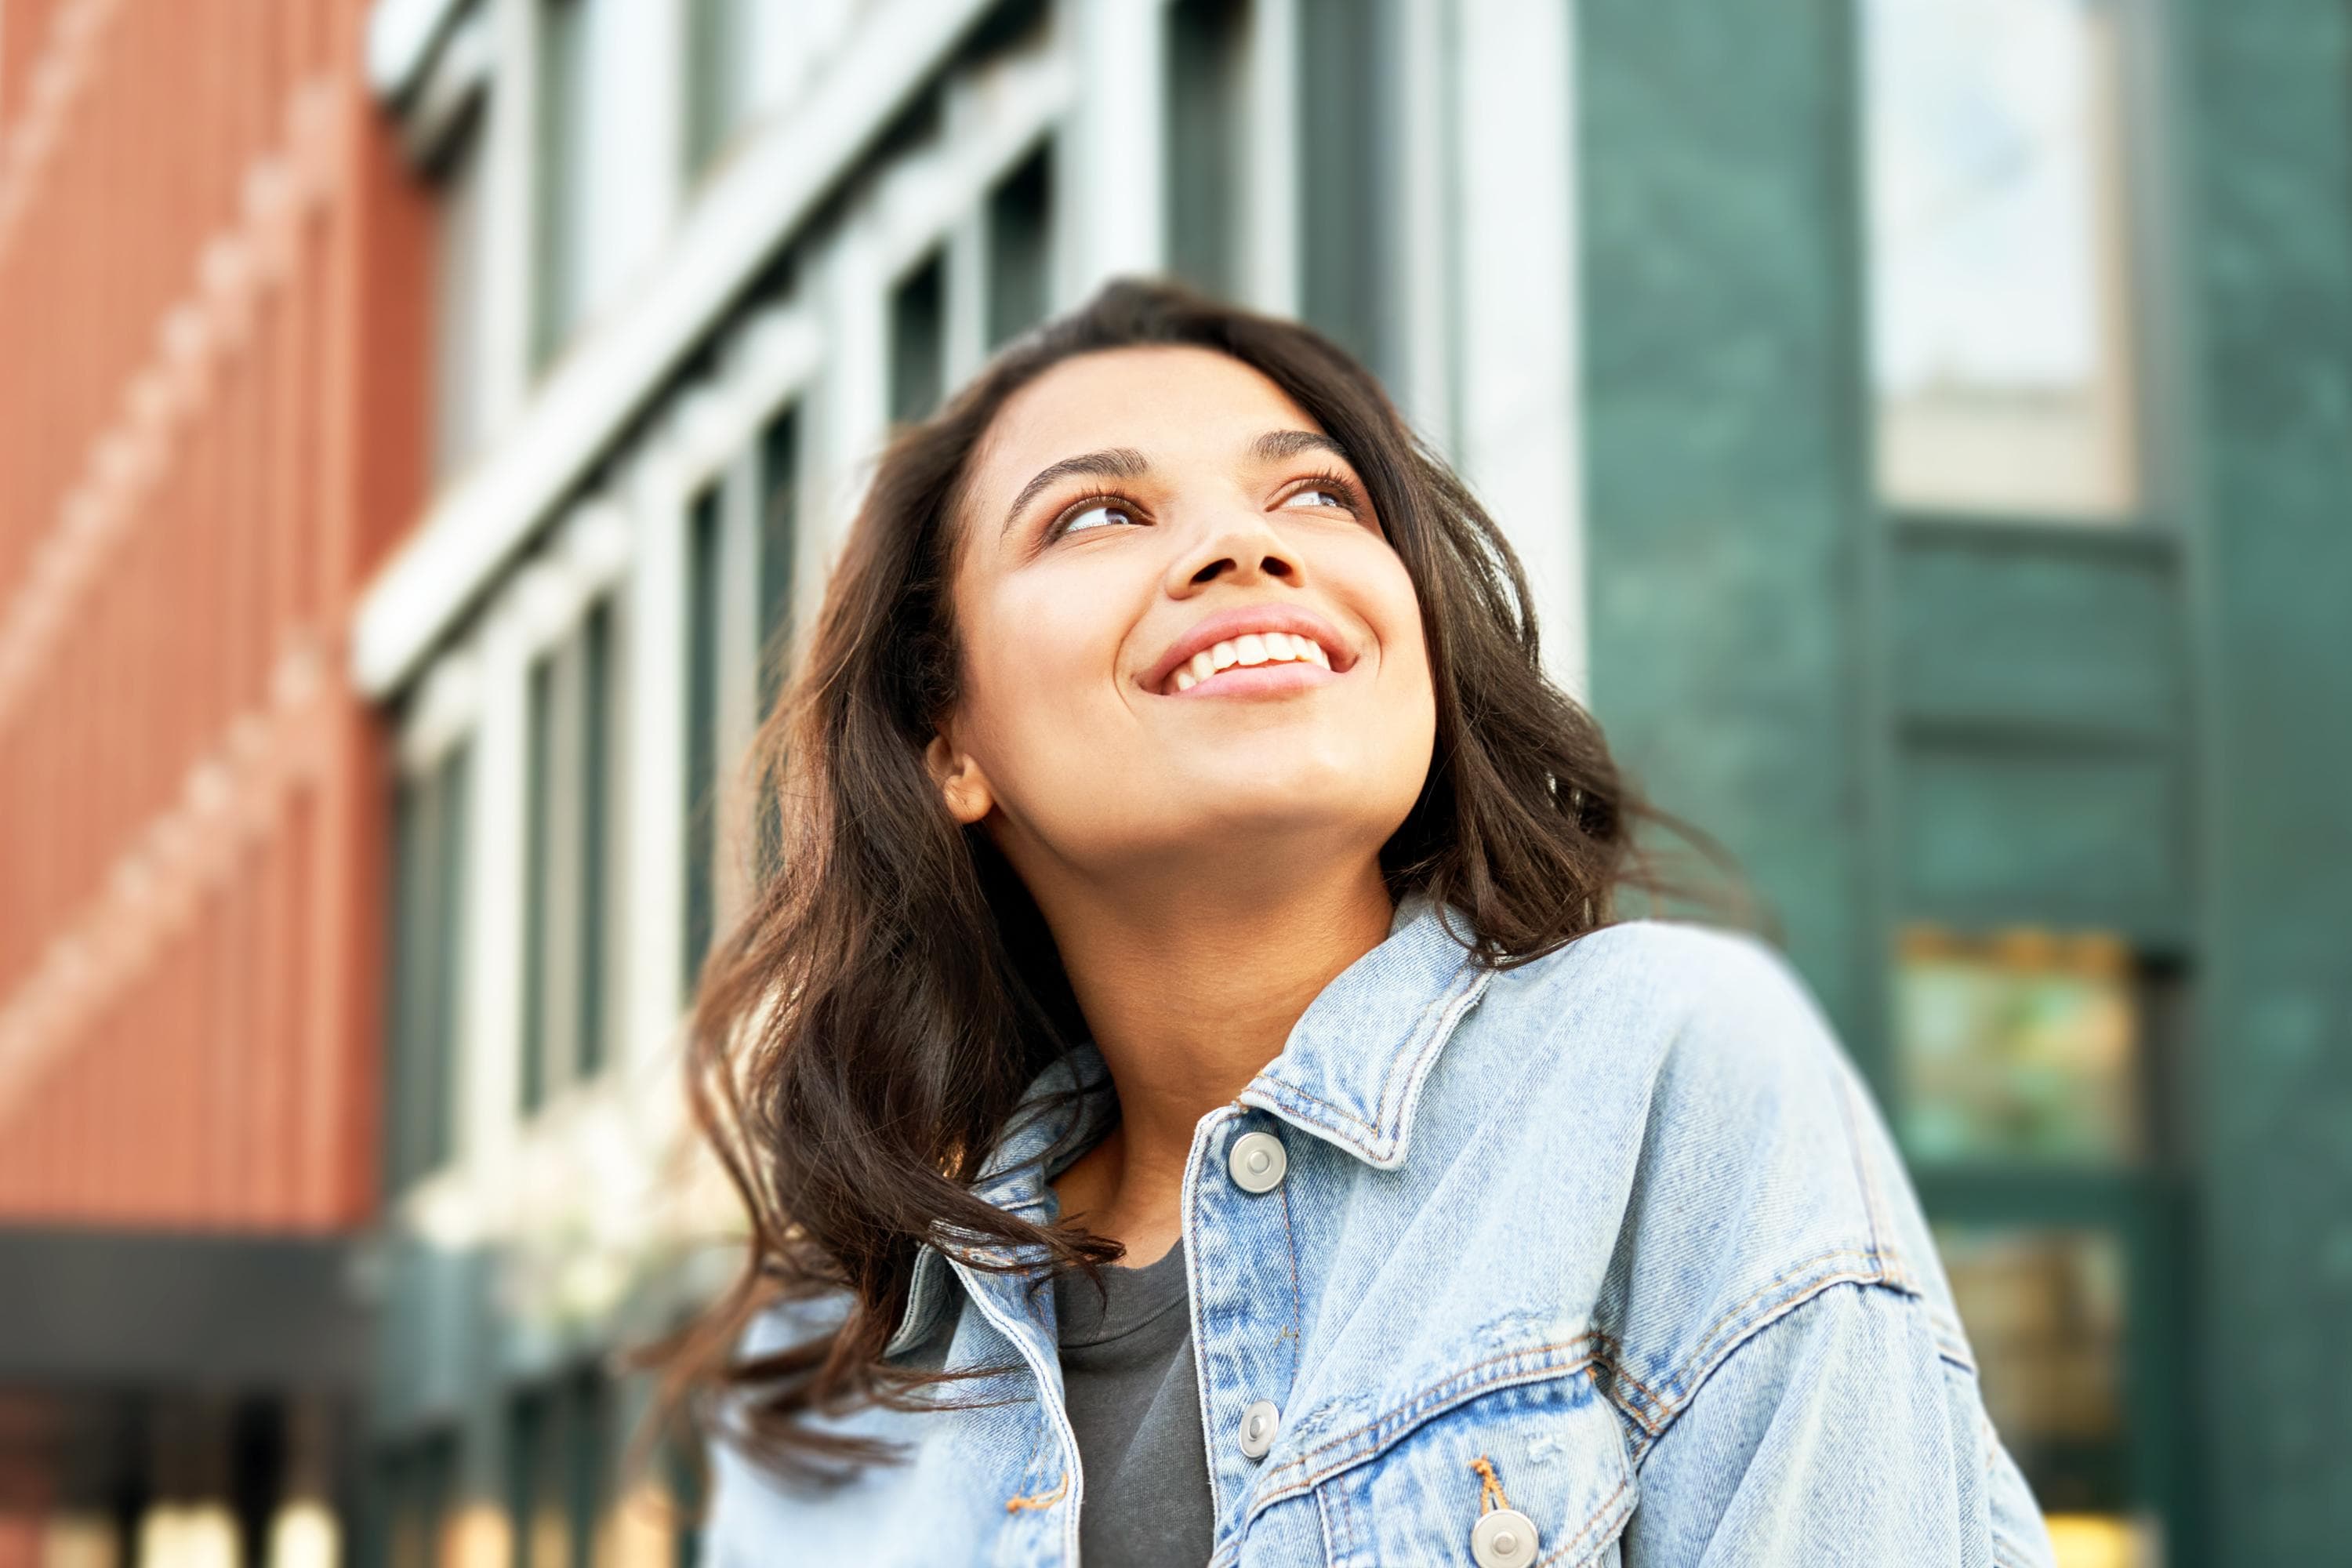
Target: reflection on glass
[2019,1046]
[2045,1313]
[2104,1541]
[1998,279]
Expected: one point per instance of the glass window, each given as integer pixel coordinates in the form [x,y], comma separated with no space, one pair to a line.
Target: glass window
[2023,1045]
[780,478]
[1207,108]
[567,768]
[705,564]
[718,62]
[1021,247]
[1346,107]
[919,340]
[429,858]
[539,828]
[457,297]
[563,173]
[2045,1313]
[595,842]
[1999,281]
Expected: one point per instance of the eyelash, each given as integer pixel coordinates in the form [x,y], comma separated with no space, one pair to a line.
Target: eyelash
[1350,499]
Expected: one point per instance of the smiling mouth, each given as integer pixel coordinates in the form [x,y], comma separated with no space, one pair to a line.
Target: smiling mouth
[1214,665]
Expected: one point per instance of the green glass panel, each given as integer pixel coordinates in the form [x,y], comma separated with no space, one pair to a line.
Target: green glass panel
[2022,1047]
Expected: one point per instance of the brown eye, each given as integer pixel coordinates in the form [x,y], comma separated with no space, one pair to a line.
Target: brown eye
[1096,514]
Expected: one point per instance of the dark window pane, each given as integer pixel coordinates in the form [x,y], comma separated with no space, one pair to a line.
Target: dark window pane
[702,631]
[455,787]
[1019,247]
[428,886]
[780,480]
[538,812]
[1346,112]
[562,172]
[919,340]
[715,76]
[411,861]
[457,297]
[595,829]
[1207,48]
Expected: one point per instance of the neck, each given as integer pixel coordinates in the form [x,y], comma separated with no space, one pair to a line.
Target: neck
[1187,997]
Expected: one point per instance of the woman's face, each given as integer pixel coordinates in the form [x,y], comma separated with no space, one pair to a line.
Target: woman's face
[1186,641]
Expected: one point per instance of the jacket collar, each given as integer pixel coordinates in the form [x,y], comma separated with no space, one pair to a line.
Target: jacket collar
[1350,1074]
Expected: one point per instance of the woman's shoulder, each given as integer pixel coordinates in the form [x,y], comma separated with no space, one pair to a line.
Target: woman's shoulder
[1704,1092]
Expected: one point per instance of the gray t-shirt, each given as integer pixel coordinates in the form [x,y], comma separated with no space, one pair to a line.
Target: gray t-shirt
[1135,1405]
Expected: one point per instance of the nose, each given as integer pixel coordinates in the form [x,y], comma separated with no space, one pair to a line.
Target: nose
[1237,553]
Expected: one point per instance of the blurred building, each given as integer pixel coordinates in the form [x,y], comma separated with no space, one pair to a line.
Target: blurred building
[211,277]
[1924,423]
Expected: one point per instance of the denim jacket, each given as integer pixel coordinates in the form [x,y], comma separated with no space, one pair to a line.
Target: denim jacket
[1612,1245]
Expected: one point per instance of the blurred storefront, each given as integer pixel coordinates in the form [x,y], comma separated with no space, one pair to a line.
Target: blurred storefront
[210,263]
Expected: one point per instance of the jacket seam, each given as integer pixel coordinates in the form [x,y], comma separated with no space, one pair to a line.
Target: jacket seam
[1703,1362]
[1584,1539]
[1416,1410]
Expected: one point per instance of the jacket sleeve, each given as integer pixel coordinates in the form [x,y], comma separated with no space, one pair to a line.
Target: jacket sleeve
[1837,1434]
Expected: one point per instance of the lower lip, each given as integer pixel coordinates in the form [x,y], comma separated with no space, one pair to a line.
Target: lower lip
[1261,680]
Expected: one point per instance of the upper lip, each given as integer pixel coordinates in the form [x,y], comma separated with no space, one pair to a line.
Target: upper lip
[1227,625]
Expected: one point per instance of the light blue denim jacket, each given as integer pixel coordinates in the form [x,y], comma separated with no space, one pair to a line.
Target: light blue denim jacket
[1623,1223]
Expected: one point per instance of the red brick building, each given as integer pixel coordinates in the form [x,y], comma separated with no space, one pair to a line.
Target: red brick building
[212,272]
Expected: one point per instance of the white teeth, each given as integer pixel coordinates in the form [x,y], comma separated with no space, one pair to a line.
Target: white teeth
[1249,649]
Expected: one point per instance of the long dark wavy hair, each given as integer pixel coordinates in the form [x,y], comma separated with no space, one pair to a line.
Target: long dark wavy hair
[861,1036]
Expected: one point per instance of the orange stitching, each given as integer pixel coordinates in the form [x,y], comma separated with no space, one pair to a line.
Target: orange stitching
[1268,1493]
[1490,1489]
[1039,1501]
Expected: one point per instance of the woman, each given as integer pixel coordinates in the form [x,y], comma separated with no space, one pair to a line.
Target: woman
[1195,1099]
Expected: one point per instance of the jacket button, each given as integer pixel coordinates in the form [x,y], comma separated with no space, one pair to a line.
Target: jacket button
[1257,1161]
[1259,1424]
[1504,1539]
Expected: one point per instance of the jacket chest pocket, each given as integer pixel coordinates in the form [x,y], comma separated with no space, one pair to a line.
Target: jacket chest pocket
[1529,1476]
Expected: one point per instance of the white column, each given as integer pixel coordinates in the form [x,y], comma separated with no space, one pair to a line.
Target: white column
[1270,280]
[1111,148]
[1520,440]
[637,131]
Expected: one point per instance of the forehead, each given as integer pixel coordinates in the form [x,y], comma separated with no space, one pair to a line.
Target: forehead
[1170,401]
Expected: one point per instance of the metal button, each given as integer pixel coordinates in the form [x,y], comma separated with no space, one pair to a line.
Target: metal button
[1257,1161]
[1504,1539]
[1260,1422]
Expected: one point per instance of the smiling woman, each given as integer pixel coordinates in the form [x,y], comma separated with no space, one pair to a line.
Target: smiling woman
[1195,1094]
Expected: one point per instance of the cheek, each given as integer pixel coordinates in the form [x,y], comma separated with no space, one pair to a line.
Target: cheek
[1038,665]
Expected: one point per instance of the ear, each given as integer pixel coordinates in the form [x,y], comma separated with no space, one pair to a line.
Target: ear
[961,783]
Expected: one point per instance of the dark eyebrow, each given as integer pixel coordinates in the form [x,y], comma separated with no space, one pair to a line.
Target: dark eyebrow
[1127,463]
[1275,445]
[1111,463]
